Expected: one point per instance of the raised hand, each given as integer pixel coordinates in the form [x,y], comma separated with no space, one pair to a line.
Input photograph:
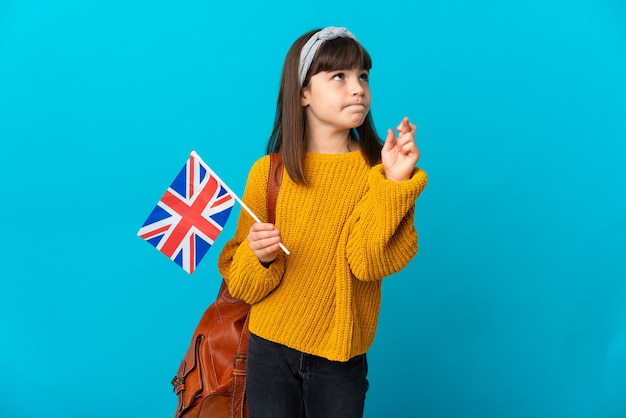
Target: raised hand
[399,155]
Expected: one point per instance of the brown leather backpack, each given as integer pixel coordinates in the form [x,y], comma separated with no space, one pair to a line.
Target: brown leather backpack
[211,379]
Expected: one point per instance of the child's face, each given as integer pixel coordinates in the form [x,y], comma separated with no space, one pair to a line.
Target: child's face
[338,98]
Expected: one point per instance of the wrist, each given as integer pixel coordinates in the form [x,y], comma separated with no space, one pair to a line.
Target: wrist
[266,264]
[397,179]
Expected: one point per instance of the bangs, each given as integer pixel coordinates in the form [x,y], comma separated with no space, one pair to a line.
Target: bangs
[340,54]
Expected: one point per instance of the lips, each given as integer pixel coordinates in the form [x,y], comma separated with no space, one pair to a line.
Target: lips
[358,104]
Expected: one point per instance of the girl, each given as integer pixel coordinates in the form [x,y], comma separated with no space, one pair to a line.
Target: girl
[345,211]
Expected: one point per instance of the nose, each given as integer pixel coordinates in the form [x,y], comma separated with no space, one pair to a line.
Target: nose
[356,88]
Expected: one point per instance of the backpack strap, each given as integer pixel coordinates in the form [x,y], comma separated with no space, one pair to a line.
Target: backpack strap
[273,185]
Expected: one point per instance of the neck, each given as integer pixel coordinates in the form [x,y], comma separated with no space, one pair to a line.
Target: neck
[331,143]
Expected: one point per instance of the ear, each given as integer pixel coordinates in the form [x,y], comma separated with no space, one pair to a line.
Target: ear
[304,97]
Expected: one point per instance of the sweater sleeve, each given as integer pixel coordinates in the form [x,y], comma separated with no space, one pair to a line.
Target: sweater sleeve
[382,239]
[246,277]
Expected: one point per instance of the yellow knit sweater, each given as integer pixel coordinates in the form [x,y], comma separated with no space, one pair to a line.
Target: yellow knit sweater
[346,230]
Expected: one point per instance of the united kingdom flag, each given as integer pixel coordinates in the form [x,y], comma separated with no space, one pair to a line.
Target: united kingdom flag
[190,215]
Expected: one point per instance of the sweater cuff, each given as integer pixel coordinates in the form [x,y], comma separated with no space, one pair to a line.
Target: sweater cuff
[399,194]
[249,279]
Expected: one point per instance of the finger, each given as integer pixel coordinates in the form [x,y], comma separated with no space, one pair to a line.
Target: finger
[267,255]
[256,237]
[390,140]
[265,245]
[260,240]
[265,237]
[409,148]
[404,125]
[259,227]
[259,232]
[405,139]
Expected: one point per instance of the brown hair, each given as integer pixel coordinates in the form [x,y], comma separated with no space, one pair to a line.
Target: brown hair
[288,134]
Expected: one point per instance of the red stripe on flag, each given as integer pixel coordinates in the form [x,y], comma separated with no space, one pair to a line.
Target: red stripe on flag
[191,216]
[192,252]
[191,171]
[221,200]
[155,232]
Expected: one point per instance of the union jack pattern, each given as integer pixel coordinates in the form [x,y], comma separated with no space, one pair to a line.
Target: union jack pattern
[190,215]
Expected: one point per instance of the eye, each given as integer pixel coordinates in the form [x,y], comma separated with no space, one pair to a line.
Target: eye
[339,76]
[364,76]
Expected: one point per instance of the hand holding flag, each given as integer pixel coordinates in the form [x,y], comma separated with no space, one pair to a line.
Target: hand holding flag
[191,214]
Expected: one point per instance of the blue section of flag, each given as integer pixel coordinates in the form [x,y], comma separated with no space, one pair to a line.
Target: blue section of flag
[220,218]
[158,214]
[155,241]
[189,216]
[178,259]
[203,173]
[202,247]
[179,185]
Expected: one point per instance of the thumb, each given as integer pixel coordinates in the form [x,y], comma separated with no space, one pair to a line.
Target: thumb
[389,141]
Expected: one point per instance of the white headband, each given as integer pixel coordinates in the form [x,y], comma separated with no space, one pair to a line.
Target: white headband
[312,45]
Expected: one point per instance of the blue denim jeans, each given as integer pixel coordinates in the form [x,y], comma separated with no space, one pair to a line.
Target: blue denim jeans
[286,383]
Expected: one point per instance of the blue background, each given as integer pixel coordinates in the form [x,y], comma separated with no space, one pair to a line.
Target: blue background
[515,305]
